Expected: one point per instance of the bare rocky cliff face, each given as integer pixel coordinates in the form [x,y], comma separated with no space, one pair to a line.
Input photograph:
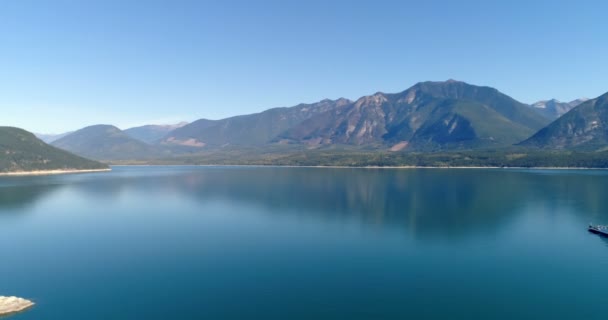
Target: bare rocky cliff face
[448,114]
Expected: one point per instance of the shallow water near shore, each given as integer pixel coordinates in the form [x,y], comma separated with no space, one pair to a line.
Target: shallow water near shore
[305,243]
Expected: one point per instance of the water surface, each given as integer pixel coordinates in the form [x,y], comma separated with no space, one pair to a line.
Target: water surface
[305,243]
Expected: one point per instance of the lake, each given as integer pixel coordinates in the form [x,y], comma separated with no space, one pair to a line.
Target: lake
[305,243]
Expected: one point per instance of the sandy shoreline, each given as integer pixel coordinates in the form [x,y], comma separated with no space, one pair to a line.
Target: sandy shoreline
[354,167]
[49,172]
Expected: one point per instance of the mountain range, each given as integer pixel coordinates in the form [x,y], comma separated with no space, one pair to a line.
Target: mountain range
[427,117]
[553,109]
[448,122]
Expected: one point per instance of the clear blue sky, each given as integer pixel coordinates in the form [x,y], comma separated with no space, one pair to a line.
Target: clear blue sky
[68,64]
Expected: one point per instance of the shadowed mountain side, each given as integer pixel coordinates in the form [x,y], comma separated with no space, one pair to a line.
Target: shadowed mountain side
[583,128]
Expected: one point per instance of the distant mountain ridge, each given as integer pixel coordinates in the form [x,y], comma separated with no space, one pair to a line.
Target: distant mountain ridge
[253,129]
[152,133]
[553,109]
[106,142]
[48,138]
[585,127]
[22,151]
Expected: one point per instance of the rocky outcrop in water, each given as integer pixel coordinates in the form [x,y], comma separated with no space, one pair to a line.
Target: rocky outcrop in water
[10,305]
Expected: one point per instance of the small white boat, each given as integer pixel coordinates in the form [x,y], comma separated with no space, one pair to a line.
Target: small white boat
[599,229]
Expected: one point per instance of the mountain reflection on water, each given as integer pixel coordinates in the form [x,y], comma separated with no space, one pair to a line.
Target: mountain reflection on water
[421,202]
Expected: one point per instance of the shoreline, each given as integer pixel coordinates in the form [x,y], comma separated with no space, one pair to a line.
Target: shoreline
[355,167]
[51,172]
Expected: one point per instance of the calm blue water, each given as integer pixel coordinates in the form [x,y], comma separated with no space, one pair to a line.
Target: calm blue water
[305,243]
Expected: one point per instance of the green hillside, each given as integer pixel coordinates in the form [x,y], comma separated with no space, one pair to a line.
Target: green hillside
[465,125]
[508,107]
[22,151]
